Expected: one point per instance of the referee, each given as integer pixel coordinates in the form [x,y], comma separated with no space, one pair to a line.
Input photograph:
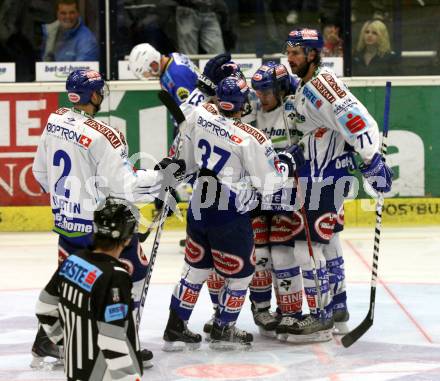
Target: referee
[87,305]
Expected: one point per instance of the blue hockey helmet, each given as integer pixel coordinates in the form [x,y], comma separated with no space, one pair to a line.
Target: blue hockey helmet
[271,76]
[307,38]
[81,84]
[232,93]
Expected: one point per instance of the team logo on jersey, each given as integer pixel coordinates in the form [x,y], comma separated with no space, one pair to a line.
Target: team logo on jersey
[193,251]
[284,228]
[226,263]
[182,93]
[325,225]
[73,97]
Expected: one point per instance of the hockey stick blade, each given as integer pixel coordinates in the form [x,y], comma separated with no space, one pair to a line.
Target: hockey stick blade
[353,336]
[171,105]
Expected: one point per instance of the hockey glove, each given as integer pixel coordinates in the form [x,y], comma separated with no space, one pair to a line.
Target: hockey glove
[291,159]
[214,72]
[173,171]
[378,174]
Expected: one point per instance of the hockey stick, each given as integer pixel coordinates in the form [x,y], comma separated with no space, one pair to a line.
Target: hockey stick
[302,209]
[143,236]
[356,333]
[178,115]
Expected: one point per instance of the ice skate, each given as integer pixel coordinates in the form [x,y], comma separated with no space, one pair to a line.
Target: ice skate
[310,330]
[207,328]
[341,318]
[146,357]
[45,354]
[229,338]
[265,321]
[281,329]
[178,337]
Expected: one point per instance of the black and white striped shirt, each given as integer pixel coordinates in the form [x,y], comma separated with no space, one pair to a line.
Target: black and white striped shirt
[87,306]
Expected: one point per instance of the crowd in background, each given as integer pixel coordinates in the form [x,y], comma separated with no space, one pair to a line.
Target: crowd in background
[72,30]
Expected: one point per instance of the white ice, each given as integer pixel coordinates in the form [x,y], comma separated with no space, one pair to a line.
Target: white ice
[403,344]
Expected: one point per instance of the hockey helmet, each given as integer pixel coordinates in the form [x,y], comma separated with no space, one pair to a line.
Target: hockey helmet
[307,38]
[144,58]
[115,219]
[271,76]
[81,84]
[232,93]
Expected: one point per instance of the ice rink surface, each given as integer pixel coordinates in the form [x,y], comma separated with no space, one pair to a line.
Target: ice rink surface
[403,344]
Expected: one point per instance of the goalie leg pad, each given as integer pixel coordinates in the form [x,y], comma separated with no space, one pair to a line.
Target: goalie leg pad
[187,291]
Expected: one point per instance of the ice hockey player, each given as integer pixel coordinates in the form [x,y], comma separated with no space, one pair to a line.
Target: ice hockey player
[81,160]
[176,72]
[233,161]
[333,123]
[273,114]
[88,307]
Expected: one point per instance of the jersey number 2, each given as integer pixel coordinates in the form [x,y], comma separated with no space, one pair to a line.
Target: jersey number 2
[224,155]
[60,188]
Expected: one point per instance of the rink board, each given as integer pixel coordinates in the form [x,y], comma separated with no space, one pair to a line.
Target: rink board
[358,213]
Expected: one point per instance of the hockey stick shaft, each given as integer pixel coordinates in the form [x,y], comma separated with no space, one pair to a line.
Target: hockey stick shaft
[178,115]
[354,335]
[302,209]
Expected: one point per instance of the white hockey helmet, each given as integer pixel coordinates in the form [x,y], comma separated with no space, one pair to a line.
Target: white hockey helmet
[144,58]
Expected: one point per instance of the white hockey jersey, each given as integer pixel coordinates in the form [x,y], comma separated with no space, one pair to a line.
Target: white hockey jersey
[81,161]
[329,115]
[242,158]
[273,123]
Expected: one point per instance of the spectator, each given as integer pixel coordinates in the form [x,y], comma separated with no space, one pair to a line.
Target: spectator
[197,25]
[68,39]
[333,43]
[373,55]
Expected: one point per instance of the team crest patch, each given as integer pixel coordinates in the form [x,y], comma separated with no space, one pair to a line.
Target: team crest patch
[226,263]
